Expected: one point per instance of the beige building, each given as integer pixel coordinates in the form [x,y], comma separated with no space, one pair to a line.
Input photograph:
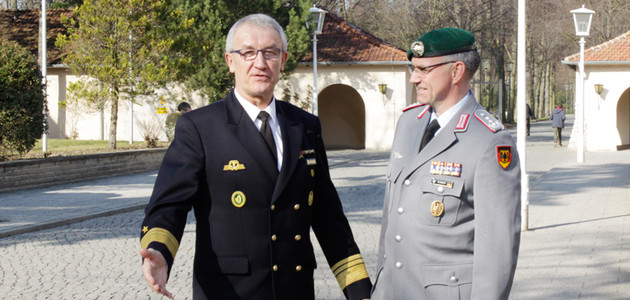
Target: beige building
[606,95]
[351,65]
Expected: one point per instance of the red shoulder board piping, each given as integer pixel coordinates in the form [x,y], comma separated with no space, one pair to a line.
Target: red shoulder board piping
[423,112]
[488,120]
[462,124]
[412,106]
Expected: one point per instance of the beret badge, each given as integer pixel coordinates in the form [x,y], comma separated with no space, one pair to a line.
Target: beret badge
[417,48]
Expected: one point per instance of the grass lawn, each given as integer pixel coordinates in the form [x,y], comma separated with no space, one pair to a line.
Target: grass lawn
[66,147]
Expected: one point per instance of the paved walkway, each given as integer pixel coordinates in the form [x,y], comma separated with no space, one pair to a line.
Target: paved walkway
[577,246]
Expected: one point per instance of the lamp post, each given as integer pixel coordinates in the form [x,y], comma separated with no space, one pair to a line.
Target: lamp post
[582,19]
[44,65]
[318,20]
[521,97]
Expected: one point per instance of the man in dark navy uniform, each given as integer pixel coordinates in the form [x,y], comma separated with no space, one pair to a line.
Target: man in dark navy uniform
[255,171]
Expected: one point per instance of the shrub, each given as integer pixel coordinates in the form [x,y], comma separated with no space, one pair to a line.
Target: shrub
[150,129]
[169,130]
[21,99]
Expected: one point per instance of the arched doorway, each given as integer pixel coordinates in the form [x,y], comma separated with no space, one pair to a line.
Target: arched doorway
[623,120]
[342,112]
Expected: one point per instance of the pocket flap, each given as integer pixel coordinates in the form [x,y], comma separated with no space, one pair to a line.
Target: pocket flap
[447,275]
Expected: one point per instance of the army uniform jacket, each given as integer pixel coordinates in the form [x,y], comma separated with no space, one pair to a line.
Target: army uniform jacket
[252,235]
[451,218]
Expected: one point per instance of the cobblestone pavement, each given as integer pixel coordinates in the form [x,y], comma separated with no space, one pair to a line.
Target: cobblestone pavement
[98,258]
[576,246]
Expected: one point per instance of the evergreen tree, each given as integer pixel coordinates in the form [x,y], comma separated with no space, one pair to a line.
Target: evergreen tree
[21,99]
[208,23]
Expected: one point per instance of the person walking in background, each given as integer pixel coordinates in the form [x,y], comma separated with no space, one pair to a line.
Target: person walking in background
[254,169]
[184,107]
[530,115]
[451,218]
[557,122]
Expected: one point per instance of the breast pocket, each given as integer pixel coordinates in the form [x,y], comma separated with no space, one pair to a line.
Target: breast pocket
[440,200]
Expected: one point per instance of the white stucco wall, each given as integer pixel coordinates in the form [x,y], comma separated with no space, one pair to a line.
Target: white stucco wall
[86,123]
[601,110]
[381,112]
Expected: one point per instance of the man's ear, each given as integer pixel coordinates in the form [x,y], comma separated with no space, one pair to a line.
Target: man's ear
[459,72]
[230,62]
[285,56]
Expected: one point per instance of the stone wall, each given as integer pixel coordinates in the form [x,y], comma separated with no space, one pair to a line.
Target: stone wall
[38,173]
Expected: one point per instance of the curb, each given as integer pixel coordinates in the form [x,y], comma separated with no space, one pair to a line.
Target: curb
[53,224]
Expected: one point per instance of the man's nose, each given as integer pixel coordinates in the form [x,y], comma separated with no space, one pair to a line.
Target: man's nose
[260,61]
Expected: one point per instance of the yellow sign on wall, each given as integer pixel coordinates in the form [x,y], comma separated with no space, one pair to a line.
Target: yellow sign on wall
[162,110]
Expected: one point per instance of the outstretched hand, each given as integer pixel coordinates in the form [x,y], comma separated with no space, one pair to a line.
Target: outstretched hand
[155,270]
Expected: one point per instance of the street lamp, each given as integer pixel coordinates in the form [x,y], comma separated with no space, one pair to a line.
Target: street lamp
[582,19]
[317,15]
[382,87]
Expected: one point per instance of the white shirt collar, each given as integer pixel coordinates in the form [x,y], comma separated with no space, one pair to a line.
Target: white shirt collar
[450,113]
[253,111]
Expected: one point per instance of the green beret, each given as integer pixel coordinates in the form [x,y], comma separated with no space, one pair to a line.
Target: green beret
[442,41]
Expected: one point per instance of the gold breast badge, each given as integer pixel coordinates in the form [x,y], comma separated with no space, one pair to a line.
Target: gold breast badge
[437,208]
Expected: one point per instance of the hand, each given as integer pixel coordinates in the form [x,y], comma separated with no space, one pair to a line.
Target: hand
[155,270]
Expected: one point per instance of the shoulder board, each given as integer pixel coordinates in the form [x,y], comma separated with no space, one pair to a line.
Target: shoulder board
[412,106]
[488,120]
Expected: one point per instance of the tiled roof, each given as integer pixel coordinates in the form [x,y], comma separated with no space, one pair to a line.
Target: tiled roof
[22,26]
[615,50]
[341,41]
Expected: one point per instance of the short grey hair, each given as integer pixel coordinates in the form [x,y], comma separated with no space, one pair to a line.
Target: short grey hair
[470,58]
[257,20]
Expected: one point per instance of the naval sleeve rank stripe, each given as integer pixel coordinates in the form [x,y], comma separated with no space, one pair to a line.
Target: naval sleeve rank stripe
[349,270]
[163,236]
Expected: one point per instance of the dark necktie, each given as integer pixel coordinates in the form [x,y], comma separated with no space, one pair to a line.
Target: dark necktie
[265,130]
[428,135]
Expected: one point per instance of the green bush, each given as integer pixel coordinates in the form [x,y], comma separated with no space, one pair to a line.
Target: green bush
[21,99]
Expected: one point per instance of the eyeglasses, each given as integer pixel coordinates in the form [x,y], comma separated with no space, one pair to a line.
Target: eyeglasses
[426,70]
[250,54]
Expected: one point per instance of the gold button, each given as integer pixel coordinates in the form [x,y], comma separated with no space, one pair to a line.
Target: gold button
[296,207]
[273,207]
[312,173]
[298,268]
[298,237]
[274,237]
[275,268]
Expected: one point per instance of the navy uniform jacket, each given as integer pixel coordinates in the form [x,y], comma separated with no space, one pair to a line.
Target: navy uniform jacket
[451,219]
[253,223]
